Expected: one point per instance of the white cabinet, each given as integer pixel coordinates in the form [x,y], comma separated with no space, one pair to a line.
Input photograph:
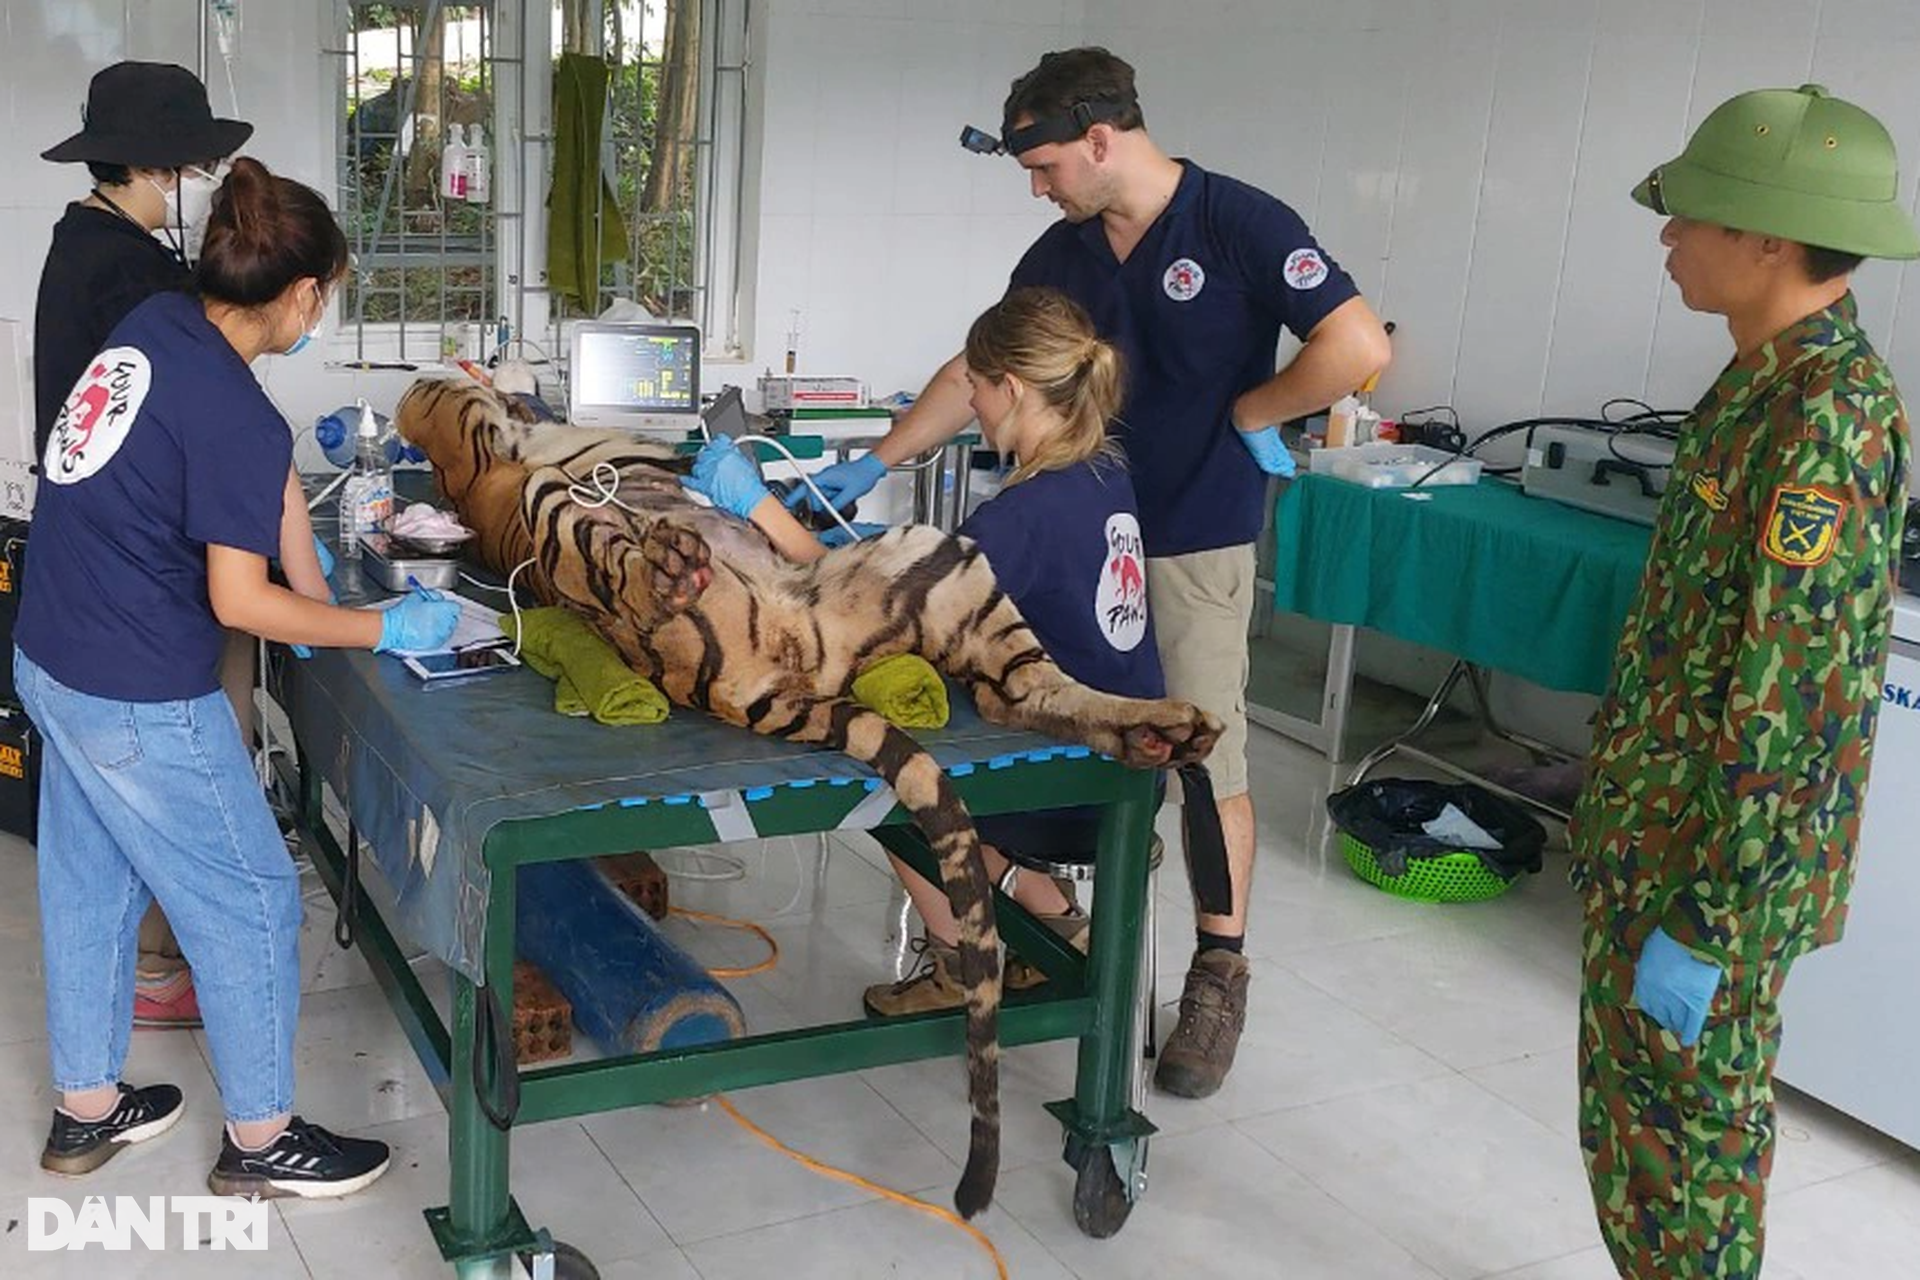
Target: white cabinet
[1852,1011]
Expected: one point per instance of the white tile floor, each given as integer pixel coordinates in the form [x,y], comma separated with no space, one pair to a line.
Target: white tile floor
[1403,1107]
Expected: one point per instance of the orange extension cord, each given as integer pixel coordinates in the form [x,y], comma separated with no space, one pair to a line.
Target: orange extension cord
[728,922]
[801,1158]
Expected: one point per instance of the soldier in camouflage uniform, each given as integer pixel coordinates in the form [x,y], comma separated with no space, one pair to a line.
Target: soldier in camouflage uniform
[1714,841]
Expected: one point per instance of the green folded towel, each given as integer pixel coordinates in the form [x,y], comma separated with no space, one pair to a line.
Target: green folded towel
[590,676]
[906,690]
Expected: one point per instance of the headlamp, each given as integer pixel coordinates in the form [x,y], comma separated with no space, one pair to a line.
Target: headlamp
[1038,133]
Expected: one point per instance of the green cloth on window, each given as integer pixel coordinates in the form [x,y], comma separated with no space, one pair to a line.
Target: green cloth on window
[580,194]
[1516,584]
[906,690]
[590,676]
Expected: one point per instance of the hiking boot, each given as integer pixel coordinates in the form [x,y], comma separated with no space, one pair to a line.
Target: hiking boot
[1074,926]
[1213,1011]
[305,1161]
[76,1146]
[166,1003]
[933,986]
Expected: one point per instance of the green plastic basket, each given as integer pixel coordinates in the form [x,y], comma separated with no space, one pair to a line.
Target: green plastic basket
[1456,876]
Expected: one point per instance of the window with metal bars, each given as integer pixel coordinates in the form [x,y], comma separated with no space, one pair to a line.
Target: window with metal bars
[652,146]
[418,81]
[673,151]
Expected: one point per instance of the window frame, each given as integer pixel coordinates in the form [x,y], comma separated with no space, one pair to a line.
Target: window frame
[726,145]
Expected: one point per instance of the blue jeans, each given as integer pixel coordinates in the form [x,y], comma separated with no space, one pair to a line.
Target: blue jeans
[143,800]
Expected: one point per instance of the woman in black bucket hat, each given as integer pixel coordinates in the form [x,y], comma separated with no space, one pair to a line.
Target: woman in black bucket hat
[154,148]
[152,144]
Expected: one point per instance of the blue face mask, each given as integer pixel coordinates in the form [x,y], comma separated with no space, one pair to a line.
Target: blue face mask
[300,343]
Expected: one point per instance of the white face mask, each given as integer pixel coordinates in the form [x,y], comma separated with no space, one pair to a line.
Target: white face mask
[188,206]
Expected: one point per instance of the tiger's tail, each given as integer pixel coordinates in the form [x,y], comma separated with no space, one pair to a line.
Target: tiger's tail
[924,790]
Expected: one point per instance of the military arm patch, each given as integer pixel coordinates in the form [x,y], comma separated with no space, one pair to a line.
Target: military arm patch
[1803,524]
[1707,489]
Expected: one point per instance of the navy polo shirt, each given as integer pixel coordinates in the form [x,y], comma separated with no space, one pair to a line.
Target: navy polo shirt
[1196,309]
[1065,546]
[165,446]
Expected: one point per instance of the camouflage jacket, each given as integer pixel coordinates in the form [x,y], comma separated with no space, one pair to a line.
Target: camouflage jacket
[1730,755]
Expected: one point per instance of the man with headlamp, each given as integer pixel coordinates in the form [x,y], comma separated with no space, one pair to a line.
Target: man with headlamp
[1192,275]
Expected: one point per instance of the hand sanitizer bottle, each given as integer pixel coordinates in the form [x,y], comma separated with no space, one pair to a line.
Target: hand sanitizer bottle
[366,499]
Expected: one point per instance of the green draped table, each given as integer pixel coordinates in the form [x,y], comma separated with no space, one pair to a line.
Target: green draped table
[1502,581]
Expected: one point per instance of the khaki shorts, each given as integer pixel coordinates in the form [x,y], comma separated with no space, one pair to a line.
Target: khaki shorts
[1201,605]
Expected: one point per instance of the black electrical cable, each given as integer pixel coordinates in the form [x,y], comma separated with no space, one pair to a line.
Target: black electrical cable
[494,1062]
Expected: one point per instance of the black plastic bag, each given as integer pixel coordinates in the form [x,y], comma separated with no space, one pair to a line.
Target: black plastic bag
[1387,814]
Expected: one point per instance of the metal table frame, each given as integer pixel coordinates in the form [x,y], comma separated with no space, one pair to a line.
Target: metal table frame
[1402,744]
[1091,998]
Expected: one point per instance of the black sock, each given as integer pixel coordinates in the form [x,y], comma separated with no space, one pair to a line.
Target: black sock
[1205,941]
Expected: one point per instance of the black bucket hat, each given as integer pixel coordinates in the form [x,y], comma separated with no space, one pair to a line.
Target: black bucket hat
[151,115]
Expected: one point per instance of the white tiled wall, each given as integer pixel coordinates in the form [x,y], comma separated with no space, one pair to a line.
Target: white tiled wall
[875,225]
[1468,160]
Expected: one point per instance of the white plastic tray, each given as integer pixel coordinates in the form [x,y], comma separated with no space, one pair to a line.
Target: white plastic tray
[1381,465]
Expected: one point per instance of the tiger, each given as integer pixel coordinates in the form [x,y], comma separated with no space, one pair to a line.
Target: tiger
[700,603]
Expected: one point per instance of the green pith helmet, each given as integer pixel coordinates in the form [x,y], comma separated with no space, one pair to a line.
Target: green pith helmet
[1794,163]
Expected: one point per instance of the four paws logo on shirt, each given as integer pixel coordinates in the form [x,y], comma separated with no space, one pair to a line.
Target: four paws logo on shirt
[94,421]
[1305,269]
[1184,280]
[1120,600]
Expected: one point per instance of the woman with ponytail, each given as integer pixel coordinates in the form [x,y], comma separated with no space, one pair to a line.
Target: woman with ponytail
[1063,537]
[163,495]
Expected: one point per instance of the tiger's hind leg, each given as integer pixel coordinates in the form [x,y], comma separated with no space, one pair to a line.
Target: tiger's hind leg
[972,630]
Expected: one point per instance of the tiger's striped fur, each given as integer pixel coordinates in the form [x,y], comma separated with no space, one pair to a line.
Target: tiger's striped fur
[701,604]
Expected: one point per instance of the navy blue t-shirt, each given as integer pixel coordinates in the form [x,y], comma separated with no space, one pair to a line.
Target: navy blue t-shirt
[1065,545]
[1196,309]
[166,445]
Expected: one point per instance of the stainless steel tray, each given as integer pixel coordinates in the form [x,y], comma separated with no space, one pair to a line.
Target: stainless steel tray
[387,568]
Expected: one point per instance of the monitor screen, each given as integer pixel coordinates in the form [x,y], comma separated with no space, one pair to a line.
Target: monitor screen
[635,369]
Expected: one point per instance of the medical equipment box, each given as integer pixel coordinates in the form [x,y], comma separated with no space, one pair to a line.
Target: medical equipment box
[782,392]
[19,773]
[1383,465]
[387,568]
[1619,474]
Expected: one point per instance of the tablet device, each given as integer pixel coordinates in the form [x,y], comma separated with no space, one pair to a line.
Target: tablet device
[441,665]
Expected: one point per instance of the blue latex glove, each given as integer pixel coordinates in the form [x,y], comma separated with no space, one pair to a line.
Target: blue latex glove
[723,474]
[839,537]
[423,620]
[1674,987]
[843,482]
[326,571]
[1268,449]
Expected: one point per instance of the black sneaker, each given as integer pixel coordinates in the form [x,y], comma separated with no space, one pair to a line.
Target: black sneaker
[75,1146]
[305,1160]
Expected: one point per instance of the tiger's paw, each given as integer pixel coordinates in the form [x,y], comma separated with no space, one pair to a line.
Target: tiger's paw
[1177,733]
[677,564]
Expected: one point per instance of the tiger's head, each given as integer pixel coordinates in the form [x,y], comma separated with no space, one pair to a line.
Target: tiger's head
[463,428]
